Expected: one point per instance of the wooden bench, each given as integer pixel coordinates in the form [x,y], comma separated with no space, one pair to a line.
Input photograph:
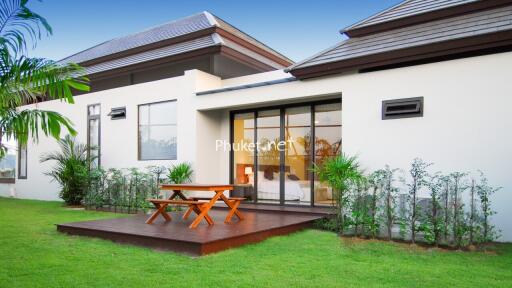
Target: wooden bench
[235,201]
[193,205]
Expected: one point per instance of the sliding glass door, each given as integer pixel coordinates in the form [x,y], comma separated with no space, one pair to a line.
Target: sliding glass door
[268,131]
[243,164]
[327,144]
[297,162]
[279,168]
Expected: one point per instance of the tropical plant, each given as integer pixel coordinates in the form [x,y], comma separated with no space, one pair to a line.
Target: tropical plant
[181,173]
[341,173]
[25,80]
[71,170]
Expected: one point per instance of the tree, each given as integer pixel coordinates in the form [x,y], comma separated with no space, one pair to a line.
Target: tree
[459,224]
[418,173]
[484,192]
[435,221]
[341,173]
[25,80]
[446,182]
[390,197]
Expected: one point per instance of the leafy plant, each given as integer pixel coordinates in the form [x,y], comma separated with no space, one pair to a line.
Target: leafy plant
[485,191]
[360,208]
[125,190]
[71,170]
[341,173]
[446,183]
[433,227]
[377,182]
[459,227]
[418,173]
[390,197]
[25,80]
[181,173]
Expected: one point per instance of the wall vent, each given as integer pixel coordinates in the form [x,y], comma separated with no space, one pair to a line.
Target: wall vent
[117,113]
[402,108]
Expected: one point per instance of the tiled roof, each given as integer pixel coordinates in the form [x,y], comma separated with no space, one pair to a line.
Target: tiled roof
[408,8]
[154,54]
[475,24]
[187,25]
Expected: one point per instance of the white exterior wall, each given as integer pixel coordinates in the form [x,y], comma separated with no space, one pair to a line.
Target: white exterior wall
[119,146]
[466,124]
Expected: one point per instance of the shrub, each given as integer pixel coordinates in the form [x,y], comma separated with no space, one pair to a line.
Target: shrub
[125,190]
[181,173]
[448,216]
[341,173]
[71,170]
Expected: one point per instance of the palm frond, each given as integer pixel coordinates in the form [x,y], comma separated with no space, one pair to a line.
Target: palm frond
[25,80]
[23,124]
[17,21]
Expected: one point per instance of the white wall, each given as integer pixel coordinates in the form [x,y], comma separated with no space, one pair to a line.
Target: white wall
[118,137]
[466,125]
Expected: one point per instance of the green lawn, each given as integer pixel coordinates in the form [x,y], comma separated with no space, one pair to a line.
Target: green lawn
[33,254]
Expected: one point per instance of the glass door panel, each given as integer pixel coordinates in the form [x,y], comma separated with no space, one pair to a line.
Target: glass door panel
[327,144]
[297,185]
[243,132]
[268,131]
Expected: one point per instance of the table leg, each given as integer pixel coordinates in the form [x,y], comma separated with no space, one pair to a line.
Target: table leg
[160,209]
[187,213]
[234,209]
[205,208]
[178,193]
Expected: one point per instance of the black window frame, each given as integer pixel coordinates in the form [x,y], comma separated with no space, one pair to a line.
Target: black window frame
[22,148]
[89,118]
[138,131]
[282,159]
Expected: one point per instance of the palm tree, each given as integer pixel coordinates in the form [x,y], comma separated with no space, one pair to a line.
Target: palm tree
[341,173]
[71,170]
[25,80]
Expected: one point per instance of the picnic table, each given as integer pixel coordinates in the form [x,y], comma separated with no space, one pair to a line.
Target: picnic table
[195,204]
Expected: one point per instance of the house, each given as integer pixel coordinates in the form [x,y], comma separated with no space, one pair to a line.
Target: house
[425,79]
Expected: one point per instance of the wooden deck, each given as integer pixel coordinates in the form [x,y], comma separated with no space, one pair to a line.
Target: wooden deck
[177,236]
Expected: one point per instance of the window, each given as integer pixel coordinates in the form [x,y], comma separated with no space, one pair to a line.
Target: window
[22,161]
[8,162]
[402,108]
[93,133]
[158,131]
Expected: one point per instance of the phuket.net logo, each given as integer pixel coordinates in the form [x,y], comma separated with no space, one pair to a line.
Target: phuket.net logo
[249,146]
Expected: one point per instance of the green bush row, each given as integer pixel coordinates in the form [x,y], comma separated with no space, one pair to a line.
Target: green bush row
[454,209]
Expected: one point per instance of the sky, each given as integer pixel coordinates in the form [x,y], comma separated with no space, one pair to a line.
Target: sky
[296,28]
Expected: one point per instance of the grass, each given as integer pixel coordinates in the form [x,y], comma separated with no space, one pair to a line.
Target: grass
[33,254]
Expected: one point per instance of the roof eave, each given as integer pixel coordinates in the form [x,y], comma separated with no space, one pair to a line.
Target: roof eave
[438,50]
[355,31]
